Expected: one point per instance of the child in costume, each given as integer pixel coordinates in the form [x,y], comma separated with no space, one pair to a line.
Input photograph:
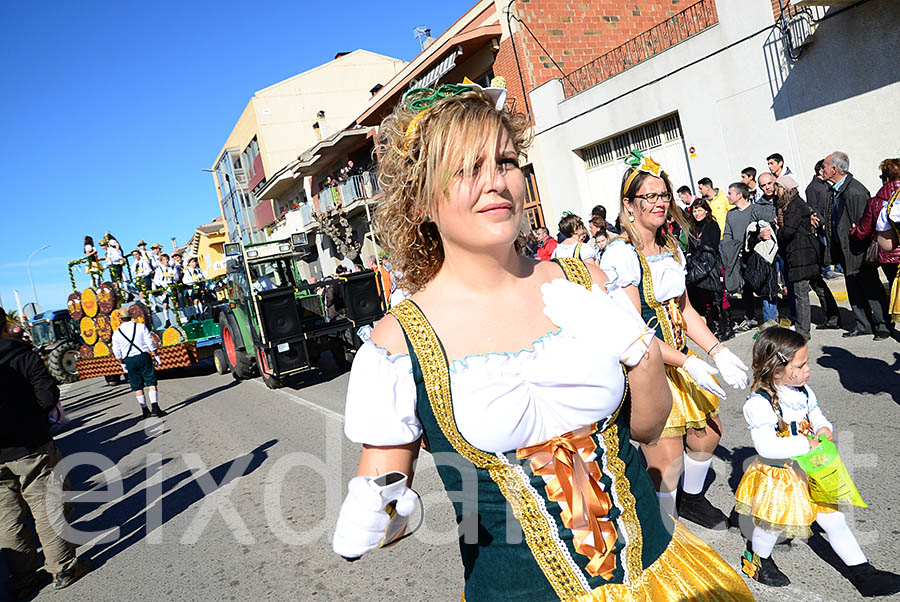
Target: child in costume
[782,413]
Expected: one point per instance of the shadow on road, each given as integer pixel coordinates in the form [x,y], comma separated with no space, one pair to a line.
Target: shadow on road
[864,375]
[129,514]
[326,370]
[739,458]
[190,400]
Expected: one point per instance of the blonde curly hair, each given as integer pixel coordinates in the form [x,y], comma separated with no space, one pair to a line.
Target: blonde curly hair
[417,164]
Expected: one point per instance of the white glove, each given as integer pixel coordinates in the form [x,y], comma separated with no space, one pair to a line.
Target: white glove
[158,360]
[124,368]
[702,373]
[594,313]
[362,522]
[732,369]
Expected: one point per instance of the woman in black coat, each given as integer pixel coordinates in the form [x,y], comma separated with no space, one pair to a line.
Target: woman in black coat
[801,250]
[704,268]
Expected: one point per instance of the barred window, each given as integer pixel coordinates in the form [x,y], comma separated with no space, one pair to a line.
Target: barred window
[643,138]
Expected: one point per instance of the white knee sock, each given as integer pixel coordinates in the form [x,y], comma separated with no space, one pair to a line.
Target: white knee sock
[141,401]
[841,538]
[667,502]
[154,400]
[694,474]
[764,542]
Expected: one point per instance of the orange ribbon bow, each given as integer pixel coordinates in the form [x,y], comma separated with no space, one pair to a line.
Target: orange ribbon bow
[577,483]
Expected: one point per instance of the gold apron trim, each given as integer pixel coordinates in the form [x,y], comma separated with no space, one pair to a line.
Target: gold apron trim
[576,271]
[665,323]
[622,487]
[535,526]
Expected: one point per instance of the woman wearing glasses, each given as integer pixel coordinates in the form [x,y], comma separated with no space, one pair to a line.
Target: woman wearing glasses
[648,265]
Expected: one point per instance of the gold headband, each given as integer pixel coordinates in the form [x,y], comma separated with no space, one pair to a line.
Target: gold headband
[639,163]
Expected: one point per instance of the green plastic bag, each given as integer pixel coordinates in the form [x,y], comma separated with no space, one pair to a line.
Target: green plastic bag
[829,481]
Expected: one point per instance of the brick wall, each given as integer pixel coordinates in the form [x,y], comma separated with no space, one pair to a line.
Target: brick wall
[573,33]
[505,65]
[788,8]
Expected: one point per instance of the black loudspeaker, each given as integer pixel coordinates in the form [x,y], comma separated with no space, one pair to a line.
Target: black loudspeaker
[361,297]
[280,317]
[292,356]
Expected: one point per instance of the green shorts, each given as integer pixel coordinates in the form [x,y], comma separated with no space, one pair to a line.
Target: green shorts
[140,371]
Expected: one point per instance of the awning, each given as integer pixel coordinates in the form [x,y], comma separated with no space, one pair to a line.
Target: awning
[309,162]
[440,70]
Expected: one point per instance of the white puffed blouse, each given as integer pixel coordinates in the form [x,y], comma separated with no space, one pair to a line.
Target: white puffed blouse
[622,266]
[501,401]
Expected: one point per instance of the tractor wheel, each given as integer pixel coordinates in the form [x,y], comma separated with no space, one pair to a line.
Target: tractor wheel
[221,361]
[61,362]
[272,381]
[240,363]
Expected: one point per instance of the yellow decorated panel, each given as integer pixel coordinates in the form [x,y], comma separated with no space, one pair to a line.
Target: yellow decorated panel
[88,330]
[89,304]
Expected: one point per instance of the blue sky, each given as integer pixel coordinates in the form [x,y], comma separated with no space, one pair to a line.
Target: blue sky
[111,110]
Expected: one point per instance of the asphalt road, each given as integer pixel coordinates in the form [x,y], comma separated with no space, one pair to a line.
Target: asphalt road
[249,483]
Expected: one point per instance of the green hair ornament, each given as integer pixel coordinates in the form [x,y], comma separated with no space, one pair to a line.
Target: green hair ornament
[419,99]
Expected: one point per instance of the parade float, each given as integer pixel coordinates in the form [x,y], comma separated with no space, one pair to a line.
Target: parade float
[97,312]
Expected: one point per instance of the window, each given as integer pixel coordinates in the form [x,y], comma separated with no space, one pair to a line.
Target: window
[642,138]
[484,80]
[671,128]
[598,154]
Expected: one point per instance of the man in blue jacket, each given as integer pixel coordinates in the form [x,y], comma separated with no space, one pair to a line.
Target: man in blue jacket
[27,458]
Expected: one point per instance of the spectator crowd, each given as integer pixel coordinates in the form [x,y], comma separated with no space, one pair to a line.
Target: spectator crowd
[755,249]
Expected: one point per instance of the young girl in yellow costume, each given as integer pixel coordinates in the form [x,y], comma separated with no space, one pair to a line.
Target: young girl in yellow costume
[783,412]
[648,265]
[493,364]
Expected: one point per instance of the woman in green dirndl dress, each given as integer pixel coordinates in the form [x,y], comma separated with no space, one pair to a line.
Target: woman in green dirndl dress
[493,366]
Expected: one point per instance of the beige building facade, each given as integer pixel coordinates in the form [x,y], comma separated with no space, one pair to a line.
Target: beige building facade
[280,122]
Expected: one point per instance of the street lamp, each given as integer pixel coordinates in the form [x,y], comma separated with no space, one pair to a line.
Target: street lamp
[231,190]
[28,265]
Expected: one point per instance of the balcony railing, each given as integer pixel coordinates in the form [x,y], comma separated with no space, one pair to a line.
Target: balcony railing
[354,188]
[677,28]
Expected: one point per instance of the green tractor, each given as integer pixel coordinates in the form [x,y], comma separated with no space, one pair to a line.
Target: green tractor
[55,336]
[276,325]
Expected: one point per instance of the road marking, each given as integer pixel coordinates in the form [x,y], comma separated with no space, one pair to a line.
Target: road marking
[301,401]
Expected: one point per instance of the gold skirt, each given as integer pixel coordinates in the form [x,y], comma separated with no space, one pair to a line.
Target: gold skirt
[894,305]
[778,499]
[688,570]
[692,406]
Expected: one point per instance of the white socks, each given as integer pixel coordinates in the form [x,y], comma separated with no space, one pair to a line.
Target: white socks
[839,535]
[141,401]
[667,502]
[694,474]
[764,542]
[153,397]
[841,538]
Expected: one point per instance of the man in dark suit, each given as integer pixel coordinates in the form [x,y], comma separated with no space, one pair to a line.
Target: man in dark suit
[848,199]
